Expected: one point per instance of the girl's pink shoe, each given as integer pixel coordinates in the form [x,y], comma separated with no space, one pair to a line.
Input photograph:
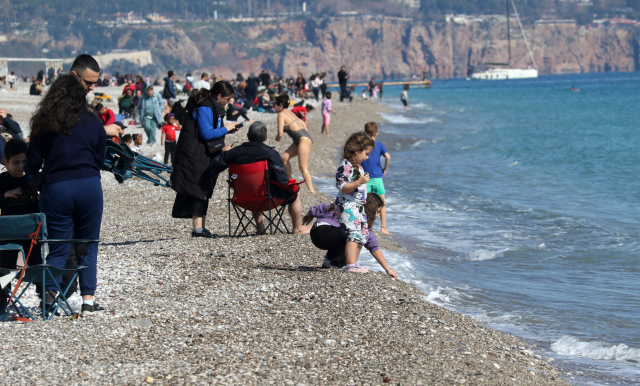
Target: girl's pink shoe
[355,269]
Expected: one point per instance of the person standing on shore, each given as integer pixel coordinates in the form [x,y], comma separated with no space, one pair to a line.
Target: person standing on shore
[192,178]
[371,87]
[87,70]
[168,139]
[71,192]
[404,97]
[169,91]
[11,79]
[376,172]
[342,79]
[150,109]
[351,181]
[296,128]
[326,114]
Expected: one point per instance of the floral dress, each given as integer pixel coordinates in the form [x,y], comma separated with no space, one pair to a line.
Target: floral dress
[350,206]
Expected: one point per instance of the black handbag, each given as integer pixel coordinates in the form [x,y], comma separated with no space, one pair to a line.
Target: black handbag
[214,146]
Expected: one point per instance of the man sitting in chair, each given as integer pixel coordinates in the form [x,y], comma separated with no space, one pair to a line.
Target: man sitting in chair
[256,150]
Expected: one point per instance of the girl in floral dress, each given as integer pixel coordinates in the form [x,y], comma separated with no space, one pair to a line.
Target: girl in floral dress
[351,181]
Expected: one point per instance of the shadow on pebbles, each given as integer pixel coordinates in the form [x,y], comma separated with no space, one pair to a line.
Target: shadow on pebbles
[250,310]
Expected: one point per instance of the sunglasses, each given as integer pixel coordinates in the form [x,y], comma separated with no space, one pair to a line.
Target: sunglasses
[88,83]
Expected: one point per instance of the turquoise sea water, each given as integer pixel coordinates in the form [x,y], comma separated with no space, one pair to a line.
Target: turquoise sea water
[523,201]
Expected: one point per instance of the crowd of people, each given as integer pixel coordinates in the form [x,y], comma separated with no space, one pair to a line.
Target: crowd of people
[70,192]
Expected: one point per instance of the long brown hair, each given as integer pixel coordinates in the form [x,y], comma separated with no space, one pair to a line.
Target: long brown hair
[371,206]
[60,108]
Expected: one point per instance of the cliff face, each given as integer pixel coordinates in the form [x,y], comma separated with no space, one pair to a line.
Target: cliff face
[400,48]
[373,46]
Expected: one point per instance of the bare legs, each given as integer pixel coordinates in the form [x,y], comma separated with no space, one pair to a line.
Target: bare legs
[198,222]
[383,218]
[352,252]
[295,211]
[303,151]
[325,130]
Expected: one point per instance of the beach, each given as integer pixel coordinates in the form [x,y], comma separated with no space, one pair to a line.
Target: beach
[252,310]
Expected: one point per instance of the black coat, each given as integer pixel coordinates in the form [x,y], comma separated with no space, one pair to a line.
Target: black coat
[192,174]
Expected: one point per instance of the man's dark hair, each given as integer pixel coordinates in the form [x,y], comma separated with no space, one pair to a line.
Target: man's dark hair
[257,132]
[13,148]
[84,62]
[170,73]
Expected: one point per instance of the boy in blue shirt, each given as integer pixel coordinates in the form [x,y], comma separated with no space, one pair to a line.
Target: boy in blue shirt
[372,166]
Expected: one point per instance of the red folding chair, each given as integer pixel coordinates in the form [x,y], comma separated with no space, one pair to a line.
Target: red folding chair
[251,193]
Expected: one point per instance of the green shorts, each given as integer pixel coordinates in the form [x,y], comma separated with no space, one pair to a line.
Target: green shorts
[375,185]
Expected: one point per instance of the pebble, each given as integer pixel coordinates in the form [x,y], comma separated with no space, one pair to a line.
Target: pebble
[229,310]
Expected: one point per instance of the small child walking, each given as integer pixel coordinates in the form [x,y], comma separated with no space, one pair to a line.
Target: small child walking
[351,181]
[376,172]
[326,113]
[168,139]
[404,97]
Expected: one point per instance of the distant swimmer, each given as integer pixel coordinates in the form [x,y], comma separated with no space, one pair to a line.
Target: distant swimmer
[574,89]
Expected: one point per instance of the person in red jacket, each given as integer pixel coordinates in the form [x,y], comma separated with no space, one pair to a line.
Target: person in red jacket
[129,86]
[107,117]
[302,111]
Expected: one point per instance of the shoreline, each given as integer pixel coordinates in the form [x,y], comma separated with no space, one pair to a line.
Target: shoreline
[256,310]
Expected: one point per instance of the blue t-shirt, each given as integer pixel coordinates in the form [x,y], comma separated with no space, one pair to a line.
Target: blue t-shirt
[372,165]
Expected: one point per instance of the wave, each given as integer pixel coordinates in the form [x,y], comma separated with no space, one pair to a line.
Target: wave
[571,346]
[402,119]
[483,254]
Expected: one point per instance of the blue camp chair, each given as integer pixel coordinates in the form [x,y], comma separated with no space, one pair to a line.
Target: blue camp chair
[119,117]
[125,163]
[20,228]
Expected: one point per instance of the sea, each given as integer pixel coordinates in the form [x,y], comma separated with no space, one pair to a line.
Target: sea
[519,204]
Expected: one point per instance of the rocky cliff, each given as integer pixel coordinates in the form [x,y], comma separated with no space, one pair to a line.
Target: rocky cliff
[398,48]
[386,47]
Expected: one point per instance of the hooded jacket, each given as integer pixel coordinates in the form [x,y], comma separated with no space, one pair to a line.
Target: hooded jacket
[169,88]
[158,104]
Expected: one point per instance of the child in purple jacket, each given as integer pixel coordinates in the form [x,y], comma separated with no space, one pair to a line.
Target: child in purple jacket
[327,234]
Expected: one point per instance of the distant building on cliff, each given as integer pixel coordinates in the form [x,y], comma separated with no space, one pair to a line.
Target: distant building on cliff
[409,3]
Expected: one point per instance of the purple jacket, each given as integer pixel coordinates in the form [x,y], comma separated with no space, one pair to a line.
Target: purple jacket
[320,212]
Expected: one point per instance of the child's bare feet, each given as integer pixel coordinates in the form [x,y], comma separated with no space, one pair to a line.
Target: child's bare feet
[385,231]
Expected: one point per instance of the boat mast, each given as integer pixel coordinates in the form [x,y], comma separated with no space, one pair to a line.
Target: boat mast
[508,33]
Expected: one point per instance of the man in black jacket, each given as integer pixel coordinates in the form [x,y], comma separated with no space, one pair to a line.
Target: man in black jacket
[342,79]
[256,150]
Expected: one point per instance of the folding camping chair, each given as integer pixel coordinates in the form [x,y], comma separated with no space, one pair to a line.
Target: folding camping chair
[125,163]
[34,227]
[251,193]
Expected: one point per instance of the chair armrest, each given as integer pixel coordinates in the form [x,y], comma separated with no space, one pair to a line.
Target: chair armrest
[10,247]
[286,186]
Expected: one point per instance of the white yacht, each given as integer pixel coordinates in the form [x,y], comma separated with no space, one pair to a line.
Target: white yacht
[502,71]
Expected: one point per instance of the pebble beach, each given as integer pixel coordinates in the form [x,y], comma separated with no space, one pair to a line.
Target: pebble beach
[254,310]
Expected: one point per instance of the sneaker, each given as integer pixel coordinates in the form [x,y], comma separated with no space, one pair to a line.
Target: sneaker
[91,310]
[205,233]
[356,269]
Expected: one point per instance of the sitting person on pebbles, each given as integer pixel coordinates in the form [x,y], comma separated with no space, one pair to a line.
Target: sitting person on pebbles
[328,235]
[256,150]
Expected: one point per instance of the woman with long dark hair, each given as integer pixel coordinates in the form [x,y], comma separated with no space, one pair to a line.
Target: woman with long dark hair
[201,138]
[71,142]
[296,128]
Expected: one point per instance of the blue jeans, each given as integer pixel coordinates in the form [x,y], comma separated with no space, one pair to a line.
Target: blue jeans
[74,205]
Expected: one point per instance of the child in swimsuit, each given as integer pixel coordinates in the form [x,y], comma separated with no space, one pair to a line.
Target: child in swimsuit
[326,113]
[351,181]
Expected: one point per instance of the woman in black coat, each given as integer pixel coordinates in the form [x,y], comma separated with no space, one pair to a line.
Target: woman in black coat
[201,138]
